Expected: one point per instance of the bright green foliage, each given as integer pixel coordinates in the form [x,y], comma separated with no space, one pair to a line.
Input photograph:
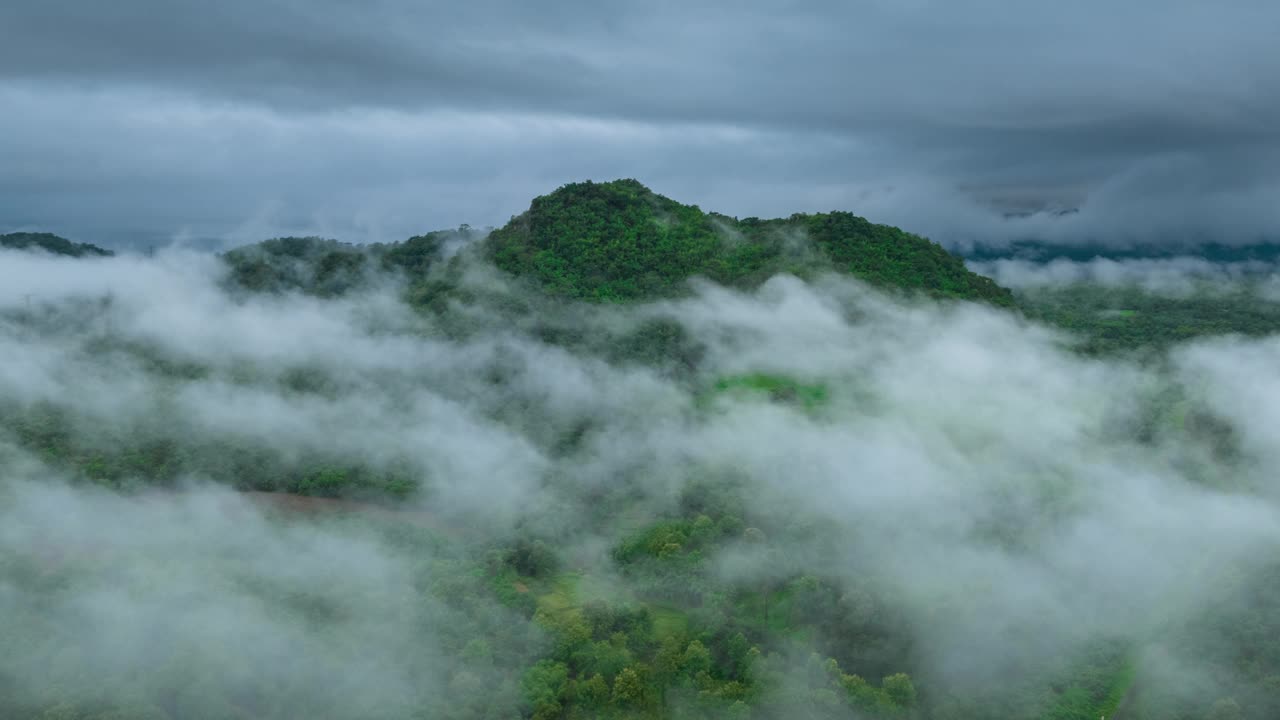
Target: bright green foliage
[777,388]
[900,690]
[50,243]
[544,685]
[697,659]
[621,241]
[607,241]
[888,257]
[628,688]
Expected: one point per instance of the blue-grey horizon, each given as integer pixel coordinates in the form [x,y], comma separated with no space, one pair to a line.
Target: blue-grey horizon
[141,121]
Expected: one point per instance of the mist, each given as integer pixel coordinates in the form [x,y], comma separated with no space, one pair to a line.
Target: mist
[1008,500]
[1171,277]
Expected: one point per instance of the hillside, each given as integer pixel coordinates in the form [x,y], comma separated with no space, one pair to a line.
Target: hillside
[51,243]
[1141,300]
[329,268]
[621,241]
[1129,318]
[310,264]
[323,467]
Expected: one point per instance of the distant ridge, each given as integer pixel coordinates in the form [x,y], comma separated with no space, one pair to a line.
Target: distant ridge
[51,243]
[1040,252]
[619,241]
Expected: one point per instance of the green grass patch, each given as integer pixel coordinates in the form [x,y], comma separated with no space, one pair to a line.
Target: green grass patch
[1084,700]
[557,595]
[1120,687]
[771,612]
[571,590]
[669,621]
[775,388]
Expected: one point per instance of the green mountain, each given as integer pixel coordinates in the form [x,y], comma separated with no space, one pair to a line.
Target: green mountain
[621,241]
[51,243]
[609,575]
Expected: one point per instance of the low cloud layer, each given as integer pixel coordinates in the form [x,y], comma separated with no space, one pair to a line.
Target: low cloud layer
[141,122]
[1174,277]
[1017,498]
[196,597]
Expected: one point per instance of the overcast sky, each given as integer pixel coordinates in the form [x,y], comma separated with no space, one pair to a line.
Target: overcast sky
[150,120]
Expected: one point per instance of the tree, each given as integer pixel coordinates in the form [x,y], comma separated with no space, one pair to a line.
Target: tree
[544,685]
[900,690]
[697,659]
[593,692]
[628,688]
[739,648]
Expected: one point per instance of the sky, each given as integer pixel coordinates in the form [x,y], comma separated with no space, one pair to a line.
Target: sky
[150,121]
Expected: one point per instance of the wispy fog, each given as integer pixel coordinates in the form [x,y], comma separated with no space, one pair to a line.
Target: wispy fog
[1016,500]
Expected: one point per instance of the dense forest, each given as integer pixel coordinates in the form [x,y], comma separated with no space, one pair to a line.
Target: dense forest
[1130,318]
[623,458]
[619,240]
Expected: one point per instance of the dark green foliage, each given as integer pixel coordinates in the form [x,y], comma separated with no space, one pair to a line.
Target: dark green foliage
[328,268]
[50,243]
[532,558]
[1233,639]
[414,256]
[888,257]
[1043,252]
[606,241]
[621,241]
[164,453]
[1128,318]
[308,264]
[660,342]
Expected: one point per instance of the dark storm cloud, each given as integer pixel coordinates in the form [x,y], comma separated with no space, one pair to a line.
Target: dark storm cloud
[373,119]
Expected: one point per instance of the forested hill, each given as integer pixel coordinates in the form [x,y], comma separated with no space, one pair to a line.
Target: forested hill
[613,241]
[621,241]
[50,243]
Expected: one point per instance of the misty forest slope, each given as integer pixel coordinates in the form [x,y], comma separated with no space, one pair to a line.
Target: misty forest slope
[50,243]
[842,476]
[1125,303]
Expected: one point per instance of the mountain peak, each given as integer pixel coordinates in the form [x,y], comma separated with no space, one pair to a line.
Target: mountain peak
[619,240]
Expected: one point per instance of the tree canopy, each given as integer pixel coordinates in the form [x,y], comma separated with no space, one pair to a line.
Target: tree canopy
[620,240]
